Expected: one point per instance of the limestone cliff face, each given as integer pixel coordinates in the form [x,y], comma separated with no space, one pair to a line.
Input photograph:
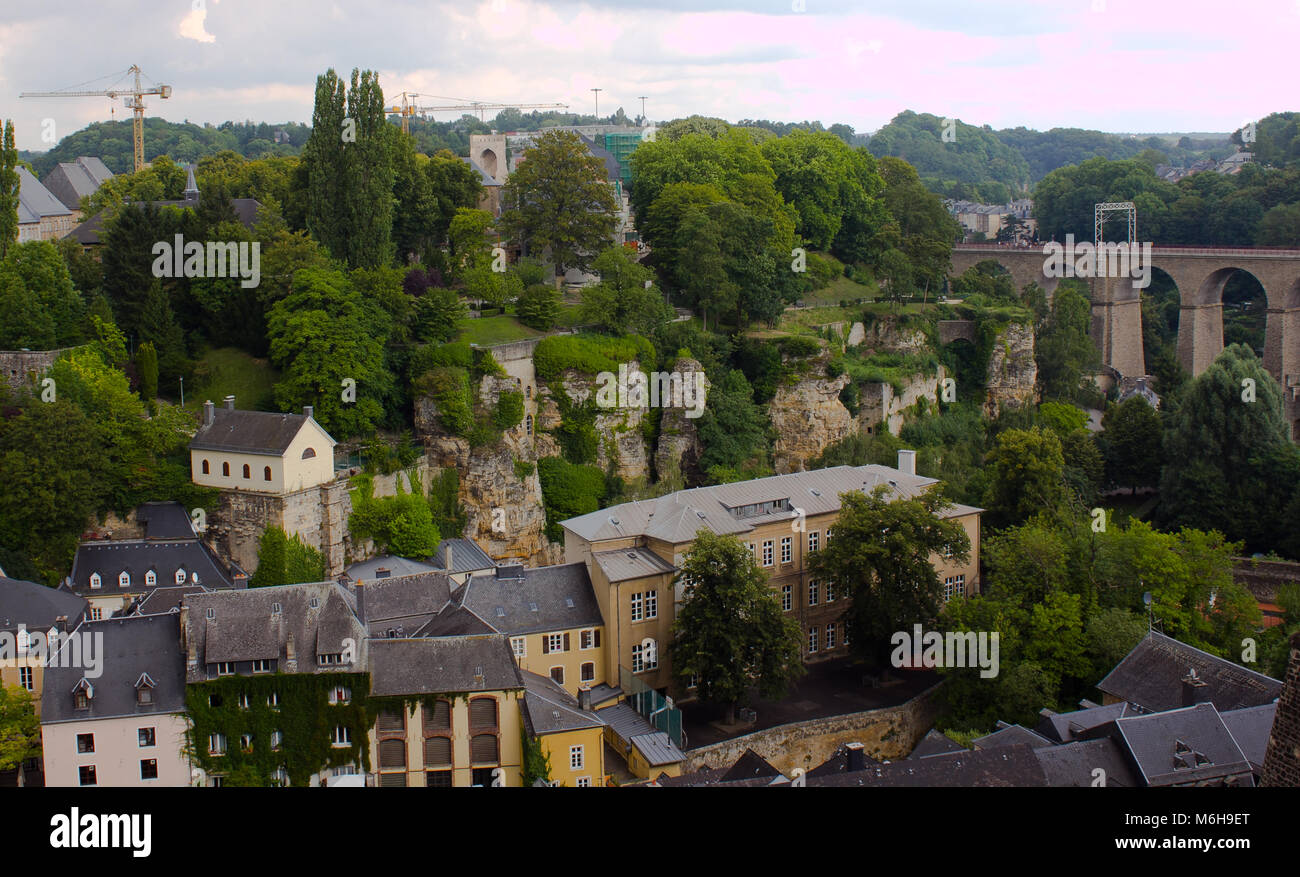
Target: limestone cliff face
[883,408]
[619,437]
[1012,372]
[679,444]
[885,335]
[807,417]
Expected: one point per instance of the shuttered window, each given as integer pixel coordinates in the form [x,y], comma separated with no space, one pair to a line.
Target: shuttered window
[483,712]
[392,779]
[392,753]
[392,721]
[437,751]
[437,717]
[483,749]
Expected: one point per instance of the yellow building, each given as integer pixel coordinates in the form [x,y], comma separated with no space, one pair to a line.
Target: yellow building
[571,736]
[260,451]
[28,612]
[634,550]
[454,714]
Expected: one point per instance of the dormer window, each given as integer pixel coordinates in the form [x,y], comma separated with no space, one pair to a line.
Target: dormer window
[82,694]
[144,687]
[124,579]
[180,576]
[329,659]
[95,580]
[151,578]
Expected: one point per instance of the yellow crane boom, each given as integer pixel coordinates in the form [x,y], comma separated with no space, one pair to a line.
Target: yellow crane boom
[409,108]
[133,97]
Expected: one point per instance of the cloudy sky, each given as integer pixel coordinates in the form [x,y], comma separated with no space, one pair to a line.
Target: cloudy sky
[1117,65]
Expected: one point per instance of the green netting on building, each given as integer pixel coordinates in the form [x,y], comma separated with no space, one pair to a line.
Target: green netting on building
[620,146]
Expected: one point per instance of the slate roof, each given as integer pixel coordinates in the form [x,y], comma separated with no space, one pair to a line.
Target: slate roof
[751,766]
[442,664]
[267,433]
[70,181]
[165,520]
[839,763]
[368,570]
[635,730]
[1014,765]
[935,743]
[407,601]
[1009,736]
[1072,764]
[88,232]
[676,517]
[562,596]
[1151,675]
[1250,727]
[625,564]
[466,556]
[136,557]
[455,621]
[549,709]
[166,599]
[132,646]
[34,200]
[1064,727]
[36,606]
[245,627]
[1182,746]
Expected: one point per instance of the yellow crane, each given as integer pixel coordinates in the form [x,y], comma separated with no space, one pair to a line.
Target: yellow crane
[133,97]
[409,108]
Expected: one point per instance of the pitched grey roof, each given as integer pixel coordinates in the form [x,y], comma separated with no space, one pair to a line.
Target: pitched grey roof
[110,558]
[405,601]
[1009,736]
[316,617]
[544,598]
[131,646]
[549,709]
[34,200]
[625,564]
[466,556]
[162,600]
[1151,675]
[676,517]
[635,730]
[249,432]
[391,565]
[751,765]
[839,761]
[1064,727]
[165,520]
[36,606]
[1005,766]
[88,233]
[70,181]
[1181,746]
[1250,727]
[442,664]
[935,743]
[1072,764]
[455,621]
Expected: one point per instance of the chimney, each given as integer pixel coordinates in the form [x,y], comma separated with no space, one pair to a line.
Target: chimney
[1282,756]
[290,654]
[450,565]
[209,413]
[584,699]
[1194,689]
[230,403]
[61,623]
[308,411]
[856,757]
[907,462]
[360,591]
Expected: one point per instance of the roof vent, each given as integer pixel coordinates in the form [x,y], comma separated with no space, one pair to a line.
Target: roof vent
[814,491]
[211,613]
[275,608]
[614,521]
[532,607]
[501,612]
[568,602]
[315,602]
[631,555]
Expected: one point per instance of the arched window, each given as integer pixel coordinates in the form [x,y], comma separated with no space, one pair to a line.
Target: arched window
[528,392]
[309,453]
[266,473]
[225,469]
[205,467]
[248,473]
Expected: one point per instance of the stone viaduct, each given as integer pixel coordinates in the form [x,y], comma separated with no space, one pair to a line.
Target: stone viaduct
[1200,273]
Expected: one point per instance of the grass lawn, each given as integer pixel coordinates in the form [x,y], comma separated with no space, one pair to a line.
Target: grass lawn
[486,331]
[225,371]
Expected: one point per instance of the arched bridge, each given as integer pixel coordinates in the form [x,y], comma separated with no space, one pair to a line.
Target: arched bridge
[1200,274]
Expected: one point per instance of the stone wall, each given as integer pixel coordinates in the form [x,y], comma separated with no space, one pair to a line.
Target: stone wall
[1012,371]
[881,406]
[1282,757]
[318,515]
[807,417]
[1263,577]
[19,367]
[890,732]
[953,330]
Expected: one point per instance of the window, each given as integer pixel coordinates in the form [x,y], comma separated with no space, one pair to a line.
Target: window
[266,473]
[786,550]
[830,590]
[144,695]
[216,781]
[273,699]
[342,735]
[437,779]
[86,775]
[483,750]
[309,453]
[693,682]
[528,422]
[588,671]
[95,580]
[555,642]
[637,608]
[96,613]
[437,752]
[180,576]
[482,777]
[787,598]
[519,645]
[954,586]
[151,578]
[330,658]
[584,782]
[392,753]
[645,656]
[226,668]
[767,552]
[247,471]
[589,639]
[79,699]
[814,537]
[557,674]
[25,678]
[947,550]
[205,468]
[214,700]
[245,742]
[262,666]
[225,470]
[277,740]
[651,604]
[438,718]
[813,588]
[341,695]
[392,721]
[124,579]
[148,768]
[146,737]
[243,700]
[483,713]
[280,777]
[85,743]
[216,744]
[812,640]
[577,757]
[830,635]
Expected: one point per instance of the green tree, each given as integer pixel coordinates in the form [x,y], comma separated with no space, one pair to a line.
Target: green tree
[1132,441]
[9,187]
[285,561]
[20,729]
[34,279]
[437,316]
[559,201]
[1065,351]
[624,300]
[732,429]
[881,555]
[538,306]
[146,363]
[1025,475]
[730,633]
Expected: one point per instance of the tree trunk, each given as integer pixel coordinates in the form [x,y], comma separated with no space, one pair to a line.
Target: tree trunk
[731,714]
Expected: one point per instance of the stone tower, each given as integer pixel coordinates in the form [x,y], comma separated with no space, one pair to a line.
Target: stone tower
[1282,758]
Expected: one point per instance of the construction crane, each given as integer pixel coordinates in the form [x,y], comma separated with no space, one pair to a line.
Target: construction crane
[409,108]
[132,97]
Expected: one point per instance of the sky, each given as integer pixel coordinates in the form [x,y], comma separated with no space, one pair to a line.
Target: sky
[1115,65]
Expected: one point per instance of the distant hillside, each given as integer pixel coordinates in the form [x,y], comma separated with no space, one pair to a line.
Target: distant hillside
[954,158]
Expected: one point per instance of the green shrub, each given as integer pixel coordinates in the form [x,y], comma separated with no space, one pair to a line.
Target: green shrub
[568,490]
[509,412]
[523,469]
[589,354]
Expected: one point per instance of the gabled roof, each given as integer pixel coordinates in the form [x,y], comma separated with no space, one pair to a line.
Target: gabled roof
[1014,765]
[165,599]
[37,606]
[236,431]
[1151,675]
[132,647]
[750,766]
[625,564]
[137,557]
[935,743]
[1182,746]
[1250,728]
[1010,735]
[677,517]
[70,181]
[515,600]
[656,747]
[35,202]
[165,520]
[466,556]
[442,665]
[549,709]
[88,233]
[484,177]
[386,566]
[404,601]
[1064,727]
[1073,764]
